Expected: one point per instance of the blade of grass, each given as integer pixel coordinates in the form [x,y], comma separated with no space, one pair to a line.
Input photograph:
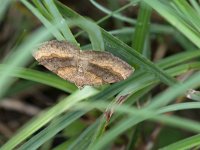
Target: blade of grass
[187,143]
[142,27]
[41,8]
[99,131]
[89,27]
[155,28]
[131,110]
[195,4]
[178,107]
[40,77]
[178,59]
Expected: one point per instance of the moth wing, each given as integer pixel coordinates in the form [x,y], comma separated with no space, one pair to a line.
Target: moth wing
[54,48]
[58,57]
[107,66]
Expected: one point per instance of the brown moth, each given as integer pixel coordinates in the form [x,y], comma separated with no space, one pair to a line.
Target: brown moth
[82,67]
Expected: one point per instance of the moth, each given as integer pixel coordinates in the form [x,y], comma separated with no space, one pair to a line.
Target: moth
[82,67]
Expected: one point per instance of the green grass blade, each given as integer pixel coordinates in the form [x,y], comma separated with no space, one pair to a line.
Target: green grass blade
[142,27]
[178,58]
[41,8]
[40,77]
[184,144]
[195,4]
[180,106]
[89,27]
[99,131]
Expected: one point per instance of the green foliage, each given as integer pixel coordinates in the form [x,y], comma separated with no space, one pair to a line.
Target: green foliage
[58,20]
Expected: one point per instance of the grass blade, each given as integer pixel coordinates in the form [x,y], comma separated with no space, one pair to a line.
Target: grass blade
[142,27]
[184,144]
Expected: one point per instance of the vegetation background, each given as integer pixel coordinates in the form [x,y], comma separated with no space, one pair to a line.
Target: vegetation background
[156,108]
